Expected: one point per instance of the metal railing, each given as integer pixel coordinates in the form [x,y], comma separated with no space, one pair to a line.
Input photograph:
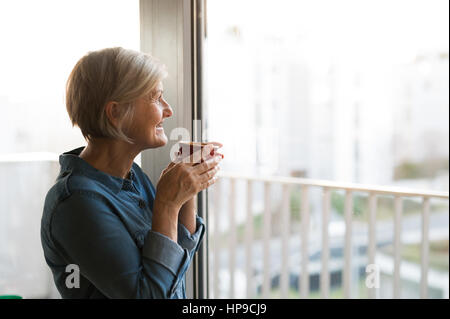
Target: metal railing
[305,185]
[28,180]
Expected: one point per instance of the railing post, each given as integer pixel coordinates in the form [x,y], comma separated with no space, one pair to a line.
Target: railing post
[285,233]
[232,250]
[397,246]
[372,237]
[325,275]
[425,248]
[249,240]
[304,220]
[266,239]
[348,208]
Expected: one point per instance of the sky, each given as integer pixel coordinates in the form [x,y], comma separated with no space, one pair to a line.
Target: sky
[403,26]
[49,36]
[370,39]
[41,41]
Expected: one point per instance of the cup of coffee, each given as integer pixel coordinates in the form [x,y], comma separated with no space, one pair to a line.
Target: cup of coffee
[196,152]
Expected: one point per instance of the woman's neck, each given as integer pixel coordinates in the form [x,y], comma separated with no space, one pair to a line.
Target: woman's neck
[110,156]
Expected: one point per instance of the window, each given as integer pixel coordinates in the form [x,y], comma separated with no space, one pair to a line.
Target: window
[327,90]
[41,42]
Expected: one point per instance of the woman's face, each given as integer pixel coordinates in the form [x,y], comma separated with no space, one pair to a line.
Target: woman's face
[146,128]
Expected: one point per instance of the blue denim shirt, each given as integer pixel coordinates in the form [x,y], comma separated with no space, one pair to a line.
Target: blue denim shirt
[102,224]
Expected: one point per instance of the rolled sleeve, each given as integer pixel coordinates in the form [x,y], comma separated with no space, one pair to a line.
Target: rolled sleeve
[164,251]
[189,241]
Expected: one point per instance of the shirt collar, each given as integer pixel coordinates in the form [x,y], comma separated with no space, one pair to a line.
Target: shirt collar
[70,161]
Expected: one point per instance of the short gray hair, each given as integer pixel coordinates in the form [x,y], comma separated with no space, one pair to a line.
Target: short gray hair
[112,74]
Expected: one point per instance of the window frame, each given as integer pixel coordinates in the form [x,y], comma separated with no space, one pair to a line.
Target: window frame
[173,31]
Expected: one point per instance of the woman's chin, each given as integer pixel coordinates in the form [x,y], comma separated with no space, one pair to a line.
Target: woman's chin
[157,141]
[161,135]
[161,140]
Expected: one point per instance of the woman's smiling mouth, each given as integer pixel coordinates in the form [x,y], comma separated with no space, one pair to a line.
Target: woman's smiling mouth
[160,127]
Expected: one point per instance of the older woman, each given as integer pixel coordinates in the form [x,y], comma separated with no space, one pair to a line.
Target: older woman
[103,219]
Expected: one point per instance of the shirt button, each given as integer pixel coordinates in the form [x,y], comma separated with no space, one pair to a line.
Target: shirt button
[141,204]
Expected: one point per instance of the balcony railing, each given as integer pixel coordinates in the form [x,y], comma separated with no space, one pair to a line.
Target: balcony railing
[305,185]
[25,180]
[29,176]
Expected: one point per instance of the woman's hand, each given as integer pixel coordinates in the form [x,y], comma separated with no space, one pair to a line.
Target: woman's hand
[180,182]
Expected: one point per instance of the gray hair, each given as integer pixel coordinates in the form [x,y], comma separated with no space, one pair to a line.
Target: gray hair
[112,74]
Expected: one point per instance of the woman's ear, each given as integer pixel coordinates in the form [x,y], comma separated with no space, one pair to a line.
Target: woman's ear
[113,113]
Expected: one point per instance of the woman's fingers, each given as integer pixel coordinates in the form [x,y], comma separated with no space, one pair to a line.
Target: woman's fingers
[211,149]
[207,165]
[208,183]
[219,154]
[208,174]
[171,164]
[216,144]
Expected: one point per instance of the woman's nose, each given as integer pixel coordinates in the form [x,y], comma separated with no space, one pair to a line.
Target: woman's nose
[168,112]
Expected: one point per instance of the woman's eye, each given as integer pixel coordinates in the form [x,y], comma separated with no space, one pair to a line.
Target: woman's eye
[157,99]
